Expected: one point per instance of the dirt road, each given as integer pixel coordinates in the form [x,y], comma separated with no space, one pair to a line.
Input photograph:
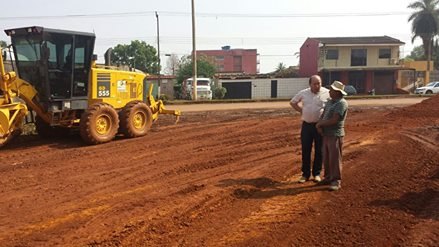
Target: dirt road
[221,178]
[285,104]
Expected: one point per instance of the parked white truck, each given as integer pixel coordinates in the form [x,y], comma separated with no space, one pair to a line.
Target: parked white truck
[204,89]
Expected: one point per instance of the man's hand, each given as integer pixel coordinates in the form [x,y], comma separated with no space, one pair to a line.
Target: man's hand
[318,124]
[296,107]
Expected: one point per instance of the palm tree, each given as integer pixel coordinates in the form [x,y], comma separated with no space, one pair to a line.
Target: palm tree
[281,66]
[425,23]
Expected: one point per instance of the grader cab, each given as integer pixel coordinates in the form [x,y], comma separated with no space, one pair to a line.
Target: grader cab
[57,78]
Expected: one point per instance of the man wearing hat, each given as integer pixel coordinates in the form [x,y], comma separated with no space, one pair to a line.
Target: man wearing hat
[332,128]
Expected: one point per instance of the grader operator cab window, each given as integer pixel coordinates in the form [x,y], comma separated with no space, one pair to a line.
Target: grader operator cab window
[57,63]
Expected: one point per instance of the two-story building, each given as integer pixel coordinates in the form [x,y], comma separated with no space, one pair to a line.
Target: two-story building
[365,62]
[229,60]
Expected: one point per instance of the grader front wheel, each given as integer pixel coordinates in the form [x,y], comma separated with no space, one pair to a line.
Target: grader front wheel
[135,119]
[99,124]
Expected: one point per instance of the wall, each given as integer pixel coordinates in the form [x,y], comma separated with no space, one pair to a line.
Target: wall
[418,76]
[166,85]
[228,64]
[344,57]
[309,56]
[286,87]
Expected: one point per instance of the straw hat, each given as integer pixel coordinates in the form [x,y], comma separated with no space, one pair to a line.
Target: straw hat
[338,86]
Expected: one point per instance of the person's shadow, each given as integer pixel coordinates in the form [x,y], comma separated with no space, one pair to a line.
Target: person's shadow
[262,188]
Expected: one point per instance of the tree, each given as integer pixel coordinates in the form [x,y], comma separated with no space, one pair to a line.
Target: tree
[425,23]
[3,43]
[280,67]
[282,71]
[172,64]
[417,53]
[218,92]
[138,55]
[205,68]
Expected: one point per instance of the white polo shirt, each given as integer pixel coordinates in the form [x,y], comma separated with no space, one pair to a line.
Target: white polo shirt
[312,104]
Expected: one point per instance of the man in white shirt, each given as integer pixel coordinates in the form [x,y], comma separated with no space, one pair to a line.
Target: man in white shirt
[312,101]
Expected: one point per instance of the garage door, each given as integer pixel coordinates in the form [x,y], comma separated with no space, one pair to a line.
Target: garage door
[238,90]
[383,82]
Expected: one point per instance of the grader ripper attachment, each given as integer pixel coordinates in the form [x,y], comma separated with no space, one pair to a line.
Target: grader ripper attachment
[58,79]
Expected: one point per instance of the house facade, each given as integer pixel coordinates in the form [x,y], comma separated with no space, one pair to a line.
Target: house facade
[229,60]
[364,62]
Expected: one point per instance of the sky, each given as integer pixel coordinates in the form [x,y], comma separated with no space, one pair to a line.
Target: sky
[276,28]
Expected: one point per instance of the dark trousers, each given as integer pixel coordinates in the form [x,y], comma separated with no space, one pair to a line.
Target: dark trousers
[308,136]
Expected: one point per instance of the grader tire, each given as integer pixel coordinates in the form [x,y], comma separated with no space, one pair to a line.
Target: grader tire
[135,119]
[99,124]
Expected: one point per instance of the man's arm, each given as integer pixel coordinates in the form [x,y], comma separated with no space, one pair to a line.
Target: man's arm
[296,106]
[332,121]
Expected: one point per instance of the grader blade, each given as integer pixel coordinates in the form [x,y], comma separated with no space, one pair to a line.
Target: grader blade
[11,120]
[158,107]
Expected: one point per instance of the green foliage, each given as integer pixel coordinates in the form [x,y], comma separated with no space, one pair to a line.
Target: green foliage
[3,43]
[280,67]
[425,22]
[417,53]
[205,68]
[178,91]
[283,72]
[218,92]
[137,55]
[163,97]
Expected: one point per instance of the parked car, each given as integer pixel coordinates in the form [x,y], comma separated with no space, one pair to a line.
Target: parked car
[432,87]
[350,90]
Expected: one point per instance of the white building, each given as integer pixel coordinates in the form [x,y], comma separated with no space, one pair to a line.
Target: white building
[263,88]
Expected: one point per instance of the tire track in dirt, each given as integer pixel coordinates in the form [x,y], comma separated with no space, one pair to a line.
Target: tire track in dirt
[426,141]
[135,192]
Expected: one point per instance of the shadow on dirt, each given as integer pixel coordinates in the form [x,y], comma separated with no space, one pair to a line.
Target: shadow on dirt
[63,142]
[262,182]
[28,141]
[264,188]
[420,204]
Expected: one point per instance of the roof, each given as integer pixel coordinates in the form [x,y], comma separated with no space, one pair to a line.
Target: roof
[358,40]
[38,29]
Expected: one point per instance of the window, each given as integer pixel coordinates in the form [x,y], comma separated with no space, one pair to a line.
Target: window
[358,57]
[220,67]
[384,53]
[237,63]
[332,54]
[219,58]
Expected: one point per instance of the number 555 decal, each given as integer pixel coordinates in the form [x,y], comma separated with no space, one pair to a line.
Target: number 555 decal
[103,89]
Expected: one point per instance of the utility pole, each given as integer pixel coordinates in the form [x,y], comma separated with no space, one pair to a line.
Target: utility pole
[194,55]
[158,56]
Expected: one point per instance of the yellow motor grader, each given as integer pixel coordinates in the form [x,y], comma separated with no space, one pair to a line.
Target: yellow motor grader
[56,76]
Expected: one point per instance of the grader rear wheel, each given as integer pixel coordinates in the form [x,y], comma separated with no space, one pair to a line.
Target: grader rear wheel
[135,119]
[99,124]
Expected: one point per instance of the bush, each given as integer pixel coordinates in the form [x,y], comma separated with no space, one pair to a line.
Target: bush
[218,92]
[163,97]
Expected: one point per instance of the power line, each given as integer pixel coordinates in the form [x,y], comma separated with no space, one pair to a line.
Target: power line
[208,15]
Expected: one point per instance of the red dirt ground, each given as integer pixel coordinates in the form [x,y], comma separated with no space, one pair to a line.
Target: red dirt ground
[220,178]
